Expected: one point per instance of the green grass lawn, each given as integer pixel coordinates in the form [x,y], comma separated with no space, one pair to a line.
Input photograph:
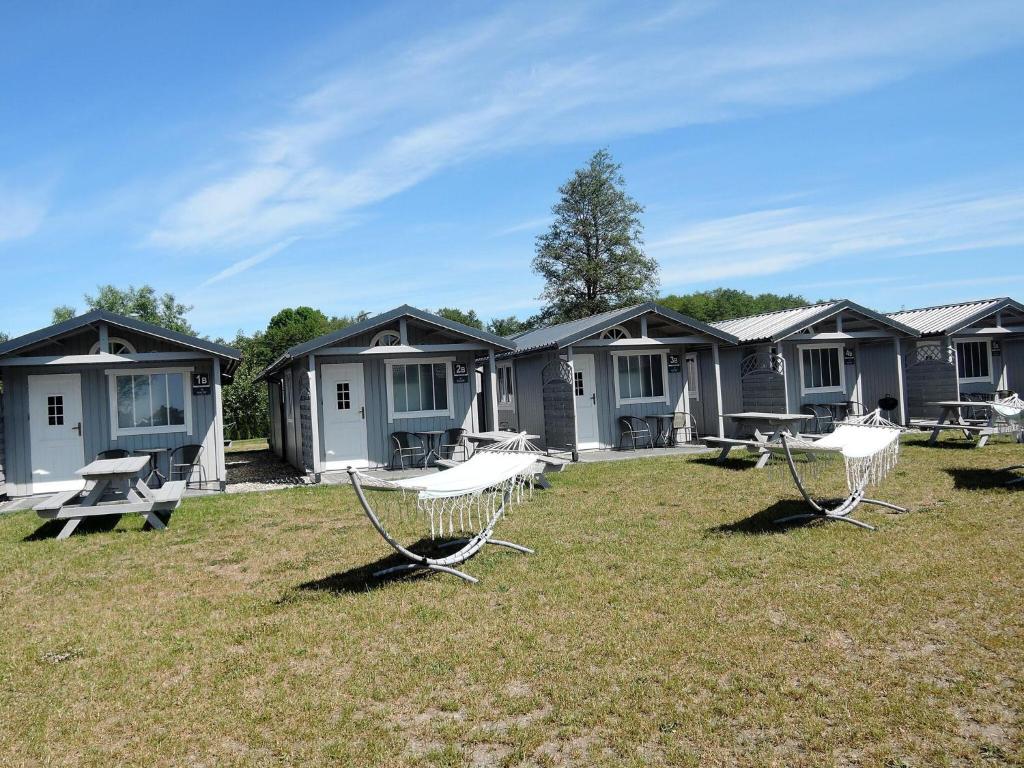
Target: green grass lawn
[663,621]
[255,444]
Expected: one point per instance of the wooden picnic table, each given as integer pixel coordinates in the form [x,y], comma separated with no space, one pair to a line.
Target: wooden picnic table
[116,490]
[767,427]
[952,418]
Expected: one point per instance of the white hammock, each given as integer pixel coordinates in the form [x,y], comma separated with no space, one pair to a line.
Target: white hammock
[1011,410]
[472,497]
[870,447]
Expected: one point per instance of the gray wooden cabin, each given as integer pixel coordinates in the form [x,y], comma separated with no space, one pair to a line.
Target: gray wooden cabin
[102,381]
[336,400]
[831,352]
[569,383]
[975,347]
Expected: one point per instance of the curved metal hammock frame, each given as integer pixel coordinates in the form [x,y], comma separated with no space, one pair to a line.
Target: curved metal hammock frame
[844,509]
[510,489]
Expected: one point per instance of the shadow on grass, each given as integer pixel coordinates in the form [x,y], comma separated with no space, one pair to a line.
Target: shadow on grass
[91,525]
[730,463]
[362,579]
[765,521]
[977,479]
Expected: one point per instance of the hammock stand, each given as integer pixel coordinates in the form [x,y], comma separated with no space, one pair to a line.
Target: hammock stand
[472,485]
[874,470]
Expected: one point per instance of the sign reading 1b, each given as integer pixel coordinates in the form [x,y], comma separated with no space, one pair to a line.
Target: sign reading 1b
[200,384]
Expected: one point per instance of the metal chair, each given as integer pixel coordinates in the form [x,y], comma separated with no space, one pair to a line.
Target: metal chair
[406,445]
[854,408]
[113,453]
[635,429]
[184,461]
[823,420]
[453,441]
[684,422]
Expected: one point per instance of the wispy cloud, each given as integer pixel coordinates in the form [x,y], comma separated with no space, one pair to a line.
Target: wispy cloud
[21,213]
[247,263]
[530,225]
[503,81]
[779,240]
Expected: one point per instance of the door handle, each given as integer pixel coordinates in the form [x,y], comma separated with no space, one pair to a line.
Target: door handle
[362,411]
[78,428]
[593,398]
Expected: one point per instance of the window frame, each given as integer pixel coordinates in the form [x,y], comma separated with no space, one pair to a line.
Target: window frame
[841,387]
[95,348]
[988,351]
[386,333]
[389,367]
[619,400]
[117,431]
[692,383]
[506,382]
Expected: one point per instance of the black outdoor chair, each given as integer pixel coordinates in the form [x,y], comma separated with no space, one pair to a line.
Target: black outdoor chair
[113,453]
[406,445]
[635,430]
[185,461]
[823,420]
[453,442]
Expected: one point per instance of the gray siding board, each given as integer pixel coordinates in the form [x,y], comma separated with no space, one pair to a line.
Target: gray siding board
[1013,355]
[530,391]
[96,421]
[879,377]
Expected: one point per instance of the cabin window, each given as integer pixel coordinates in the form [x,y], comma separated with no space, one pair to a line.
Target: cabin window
[577,388]
[506,392]
[419,389]
[116,345]
[344,396]
[693,377]
[821,368]
[640,378]
[974,361]
[55,410]
[149,402]
[386,339]
[615,332]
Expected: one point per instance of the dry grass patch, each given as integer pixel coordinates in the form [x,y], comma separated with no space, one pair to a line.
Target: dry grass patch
[663,621]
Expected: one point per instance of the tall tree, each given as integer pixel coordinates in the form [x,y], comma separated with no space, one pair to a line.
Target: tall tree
[142,303]
[469,318]
[512,325]
[727,303]
[245,398]
[592,257]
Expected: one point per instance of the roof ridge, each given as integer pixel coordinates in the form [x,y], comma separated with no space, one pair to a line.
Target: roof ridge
[581,319]
[953,304]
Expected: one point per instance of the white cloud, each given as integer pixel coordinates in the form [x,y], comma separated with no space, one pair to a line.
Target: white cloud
[247,263]
[785,239]
[522,78]
[21,214]
[530,225]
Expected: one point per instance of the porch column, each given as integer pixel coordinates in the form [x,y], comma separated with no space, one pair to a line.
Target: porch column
[220,463]
[785,373]
[718,390]
[858,388]
[685,369]
[492,396]
[314,415]
[951,350]
[902,396]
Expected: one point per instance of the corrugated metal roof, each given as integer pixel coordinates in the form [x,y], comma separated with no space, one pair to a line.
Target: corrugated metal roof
[774,326]
[950,318]
[565,334]
[385,318]
[769,325]
[229,354]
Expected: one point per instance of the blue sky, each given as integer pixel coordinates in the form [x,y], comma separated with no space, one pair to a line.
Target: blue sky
[249,156]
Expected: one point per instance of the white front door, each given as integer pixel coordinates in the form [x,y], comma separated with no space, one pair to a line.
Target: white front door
[584,387]
[344,408]
[55,431]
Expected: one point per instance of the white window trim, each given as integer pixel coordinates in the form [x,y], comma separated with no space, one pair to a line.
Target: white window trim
[390,364]
[842,369]
[186,383]
[620,401]
[692,384]
[94,350]
[510,398]
[605,334]
[974,379]
[375,341]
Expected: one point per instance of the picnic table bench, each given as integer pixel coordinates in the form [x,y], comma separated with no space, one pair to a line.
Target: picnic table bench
[952,419]
[116,490]
[767,428]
